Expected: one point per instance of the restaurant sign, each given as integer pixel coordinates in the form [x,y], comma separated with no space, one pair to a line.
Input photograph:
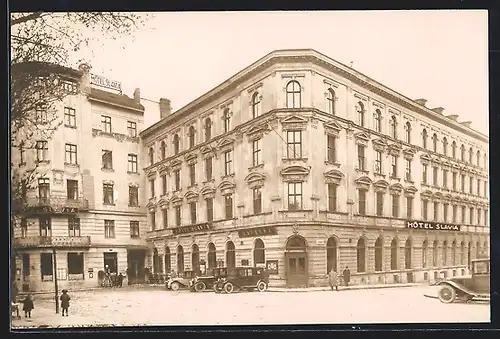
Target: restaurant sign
[101,81]
[259,231]
[191,228]
[433,226]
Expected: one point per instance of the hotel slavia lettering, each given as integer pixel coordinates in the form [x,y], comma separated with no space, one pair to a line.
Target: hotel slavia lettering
[101,81]
[435,226]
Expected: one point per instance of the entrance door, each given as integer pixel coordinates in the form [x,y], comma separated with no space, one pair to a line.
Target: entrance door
[296,265]
[111,259]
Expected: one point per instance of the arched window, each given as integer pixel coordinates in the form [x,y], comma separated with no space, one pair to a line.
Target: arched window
[255,105]
[226,119]
[177,146]
[259,252]
[151,155]
[156,261]
[192,136]
[425,247]
[293,93]
[168,261]
[394,254]
[471,155]
[208,129]
[230,254]
[462,152]
[297,243]
[394,127]
[163,150]
[469,258]
[180,259]
[424,138]
[195,258]
[379,245]
[408,132]
[485,160]
[378,120]
[408,253]
[478,158]
[361,255]
[445,146]
[330,97]
[454,253]
[331,255]
[435,254]
[445,253]
[462,253]
[212,256]
[454,150]
[434,142]
[360,108]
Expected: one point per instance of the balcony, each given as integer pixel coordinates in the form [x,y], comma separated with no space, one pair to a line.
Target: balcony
[52,242]
[56,205]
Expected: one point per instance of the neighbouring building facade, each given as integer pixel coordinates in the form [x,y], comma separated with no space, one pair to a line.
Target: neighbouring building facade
[85,211]
[303,164]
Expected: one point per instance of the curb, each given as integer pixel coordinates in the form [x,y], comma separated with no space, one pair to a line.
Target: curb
[342,289]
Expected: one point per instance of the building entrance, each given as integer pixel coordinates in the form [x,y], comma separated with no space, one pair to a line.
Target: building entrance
[135,266]
[296,266]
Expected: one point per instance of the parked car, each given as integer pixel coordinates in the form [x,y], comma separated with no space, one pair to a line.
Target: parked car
[202,282]
[243,278]
[475,287]
[184,280]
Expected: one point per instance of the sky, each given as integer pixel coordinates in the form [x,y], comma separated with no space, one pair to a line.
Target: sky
[441,56]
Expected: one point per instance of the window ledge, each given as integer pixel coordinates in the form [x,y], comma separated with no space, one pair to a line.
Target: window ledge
[107,169]
[208,181]
[294,159]
[70,126]
[395,178]
[409,181]
[108,204]
[227,176]
[379,175]
[256,166]
[334,163]
[134,173]
[135,206]
[362,171]
[43,161]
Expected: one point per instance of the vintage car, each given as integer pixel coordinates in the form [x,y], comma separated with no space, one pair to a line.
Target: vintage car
[243,278]
[202,282]
[475,287]
[184,280]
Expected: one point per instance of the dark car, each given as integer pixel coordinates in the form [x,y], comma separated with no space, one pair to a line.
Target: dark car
[468,288]
[184,280]
[202,282]
[243,278]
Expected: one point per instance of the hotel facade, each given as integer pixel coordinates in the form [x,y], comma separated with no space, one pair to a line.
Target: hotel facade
[303,164]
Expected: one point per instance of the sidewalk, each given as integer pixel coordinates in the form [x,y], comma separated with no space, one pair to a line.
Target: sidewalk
[342,288]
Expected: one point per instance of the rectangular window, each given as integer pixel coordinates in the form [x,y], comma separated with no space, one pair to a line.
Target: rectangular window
[109,228]
[22,155]
[395,206]
[408,170]
[454,181]
[24,227]
[332,197]
[134,230]
[479,212]
[471,184]
[362,202]
[107,159]
[294,144]
[478,187]
[177,179]
[331,152]
[445,178]
[208,169]
[471,215]
[152,219]
[178,216]
[69,117]
[164,213]
[75,266]
[44,190]
[464,210]
[74,227]
[228,163]
[294,196]
[256,151]
[378,162]
[132,163]
[394,166]
[26,265]
[42,116]
[485,192]
[164,184]
[132,129]
[133,196]
[424,173]
[380,203]
[46,266]
[70,154]
[445,212]
[409,207]
[72,189]
[45,226]
[152,188]
[486,220]
[462,183]
[436,211]
[106,124]
[455,216]
[228,206]
[108,194]
[435,176]
[425,209]
[210,209]
[192,210]
[257,201]
[192,174]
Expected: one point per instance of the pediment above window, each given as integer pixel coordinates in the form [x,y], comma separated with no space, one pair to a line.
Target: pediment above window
[294,122]
[162,203]
[438,196]
[409,153]
[176,200]
[363,182]
[151,174]
[396,189]
[410,190]
[426,158]
[446,163]
[225,144]
[257,130]
[294,173]
[379,144]
[255,179]
[208,151]
[163,169]
[456,198]
[191,158]
[436,161]
[191,196]
[332,128]
[447,197]
[208,192]
[176,163]
[394,149]
[151,206]
[226,187]
[362,138]
[380,185]
[426,194]
[333,177]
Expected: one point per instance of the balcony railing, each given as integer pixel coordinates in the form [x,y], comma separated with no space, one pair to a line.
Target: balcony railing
[51,242]
[57,204]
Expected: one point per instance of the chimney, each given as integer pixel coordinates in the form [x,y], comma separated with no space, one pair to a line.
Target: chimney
[453,117]
[466,123]
[421,101]
[137,95]
[438,110]
[165,107]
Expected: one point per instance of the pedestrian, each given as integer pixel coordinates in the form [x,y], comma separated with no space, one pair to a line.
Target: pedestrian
[65,302]
[28,306]
[347,275]
[333,279]
[120,280]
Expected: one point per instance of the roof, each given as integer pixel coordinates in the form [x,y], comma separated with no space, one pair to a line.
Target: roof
[110,98]
[42,67]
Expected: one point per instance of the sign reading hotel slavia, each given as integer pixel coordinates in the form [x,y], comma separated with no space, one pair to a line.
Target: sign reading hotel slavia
[190,228]
[101,81]
[259,231]
[433,226]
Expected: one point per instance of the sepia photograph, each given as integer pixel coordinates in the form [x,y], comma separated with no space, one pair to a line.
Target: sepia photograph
[249,168]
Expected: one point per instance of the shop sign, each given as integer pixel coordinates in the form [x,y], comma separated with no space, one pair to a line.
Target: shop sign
[433,226]
[101,81]
[191,228]
[272,266]
[259,231]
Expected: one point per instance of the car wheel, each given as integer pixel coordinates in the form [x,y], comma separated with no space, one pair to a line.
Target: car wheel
[228,287]
[447,294]
[261,286]
[175,286]
[200,286]
[214,287]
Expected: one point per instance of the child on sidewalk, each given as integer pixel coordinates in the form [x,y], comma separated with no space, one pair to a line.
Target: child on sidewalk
[28,306]
[65,302]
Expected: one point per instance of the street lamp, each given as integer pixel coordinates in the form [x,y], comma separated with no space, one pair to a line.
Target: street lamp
[56,292]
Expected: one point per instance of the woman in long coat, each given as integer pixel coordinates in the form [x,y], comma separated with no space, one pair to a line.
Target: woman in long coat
[333,279]
[28,306]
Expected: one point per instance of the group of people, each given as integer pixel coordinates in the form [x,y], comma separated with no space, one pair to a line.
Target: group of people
[333,278]
[29,305]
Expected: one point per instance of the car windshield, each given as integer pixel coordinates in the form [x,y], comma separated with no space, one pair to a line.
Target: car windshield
[482,267]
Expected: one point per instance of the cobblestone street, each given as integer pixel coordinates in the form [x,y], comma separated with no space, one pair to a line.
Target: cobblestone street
[159,307]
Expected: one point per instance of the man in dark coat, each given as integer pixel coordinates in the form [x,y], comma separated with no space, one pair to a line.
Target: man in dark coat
[120,280]
[347,275]
[28,306]
[65,302]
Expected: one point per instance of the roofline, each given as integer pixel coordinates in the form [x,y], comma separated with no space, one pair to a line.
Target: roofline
[348,71]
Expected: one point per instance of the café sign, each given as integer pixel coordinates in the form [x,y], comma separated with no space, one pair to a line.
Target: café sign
[432,226]
[259,231]
[101,81]
[190,229]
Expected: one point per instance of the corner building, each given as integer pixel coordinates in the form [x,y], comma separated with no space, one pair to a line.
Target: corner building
[301,163]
